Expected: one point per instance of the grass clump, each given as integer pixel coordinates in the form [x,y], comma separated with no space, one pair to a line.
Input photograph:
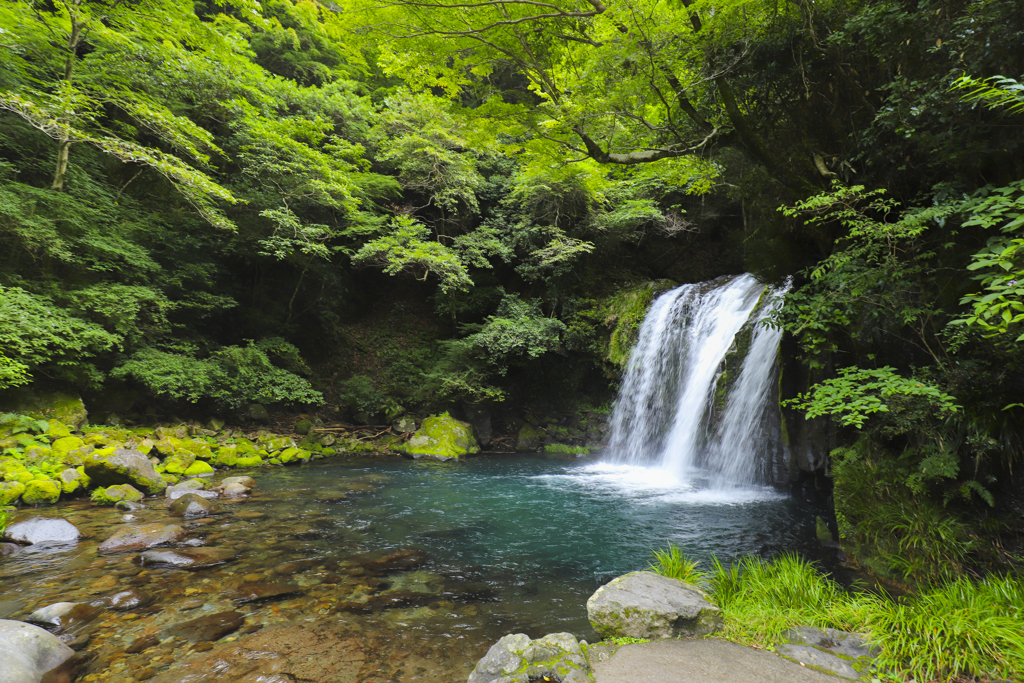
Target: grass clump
[957,629]
[672,563]
[625,640]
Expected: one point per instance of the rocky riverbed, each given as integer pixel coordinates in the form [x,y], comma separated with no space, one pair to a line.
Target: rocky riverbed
[242,588]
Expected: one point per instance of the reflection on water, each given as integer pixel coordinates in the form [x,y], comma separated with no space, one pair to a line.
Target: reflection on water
[510,544]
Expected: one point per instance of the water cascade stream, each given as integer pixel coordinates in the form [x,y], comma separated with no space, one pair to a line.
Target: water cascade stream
[697,399]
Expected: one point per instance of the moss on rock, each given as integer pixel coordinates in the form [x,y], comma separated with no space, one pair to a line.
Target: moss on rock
[198,468]
[442,438]
[39,492]
[115,494]
[10,491]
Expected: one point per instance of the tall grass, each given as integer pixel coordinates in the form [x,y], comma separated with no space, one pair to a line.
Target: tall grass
[672,563]
[958,629]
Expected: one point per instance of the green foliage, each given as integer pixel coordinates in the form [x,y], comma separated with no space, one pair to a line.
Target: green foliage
[407,248]
[625,640]
[995,92]
[233,375]
[1000,265]
[889,520]
[672,563]
[19,424]
[857,393]
[958,629]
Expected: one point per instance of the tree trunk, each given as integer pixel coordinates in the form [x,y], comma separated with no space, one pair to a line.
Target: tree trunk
[64,147]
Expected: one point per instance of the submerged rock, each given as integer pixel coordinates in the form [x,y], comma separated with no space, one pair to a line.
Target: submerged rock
[517,659]
[28,652]
[209,628]
[648,605]
[140,536]
[34,529]
[107,467]
[442,438]
[190,558]
[130,598]
[192,505]
[258,592]
[51,614]
[383,562]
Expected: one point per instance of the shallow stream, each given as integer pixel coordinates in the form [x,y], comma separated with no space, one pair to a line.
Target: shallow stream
[498,545]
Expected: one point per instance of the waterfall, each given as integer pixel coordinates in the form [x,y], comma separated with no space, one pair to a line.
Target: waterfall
[697,393]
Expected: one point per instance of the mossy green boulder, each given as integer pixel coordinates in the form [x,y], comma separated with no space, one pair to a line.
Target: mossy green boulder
[198,469]
[226,456]
[10,491]
[41,492]
[179,462]
[65,444]
[253,460]
[442,438]
[528,439]
[107,467]
[41,404]
[114,494]
[72,480]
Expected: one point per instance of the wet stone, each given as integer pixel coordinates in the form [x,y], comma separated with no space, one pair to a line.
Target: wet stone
[174,493]
[129,505]
[191,558]
[130,598]
[208,628]
[7,549]
[391,561]
[37,529]
[142,644]
[193,505]
[259,592]
[194,603]
[71,627]
[51,614]
[9,607]
[140,536]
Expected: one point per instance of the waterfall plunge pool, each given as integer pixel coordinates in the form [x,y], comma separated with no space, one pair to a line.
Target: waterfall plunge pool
[509,544]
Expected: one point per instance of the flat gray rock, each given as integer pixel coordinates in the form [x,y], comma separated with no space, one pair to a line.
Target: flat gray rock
[124,466]
[28,652]
[36,529]
[701,661]
[818,658]
[648,605]
[142,536]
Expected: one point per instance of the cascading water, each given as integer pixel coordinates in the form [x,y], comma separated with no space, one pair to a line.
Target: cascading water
[678,408]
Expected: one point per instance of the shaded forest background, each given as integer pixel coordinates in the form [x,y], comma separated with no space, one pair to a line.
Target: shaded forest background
[380,208]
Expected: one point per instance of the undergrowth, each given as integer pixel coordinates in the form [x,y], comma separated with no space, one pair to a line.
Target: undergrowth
[564,448]
[955,630]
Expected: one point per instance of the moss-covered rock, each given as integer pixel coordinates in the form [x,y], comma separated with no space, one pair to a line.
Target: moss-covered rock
[529,438]
[226,456]
[442,438]
[123,466]
[73,480]
[249,461]
[37,456]
[41,492]
[179,462]
[114,494]
[303,427]
[198,469]
[622,315]
[10,491]
[57,430]
[62,406]
[66,443]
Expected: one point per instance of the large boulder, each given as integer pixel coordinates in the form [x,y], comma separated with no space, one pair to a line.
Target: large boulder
[42,404]
[39,492]
[35,529]
[28,652]
[648,605]
[528,438]
[517,659]
[442,438]
[107,467]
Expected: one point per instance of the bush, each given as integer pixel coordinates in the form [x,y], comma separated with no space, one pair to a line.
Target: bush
[672,563]
[234,376]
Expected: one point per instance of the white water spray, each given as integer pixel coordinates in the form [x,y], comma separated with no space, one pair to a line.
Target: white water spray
[663,415]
